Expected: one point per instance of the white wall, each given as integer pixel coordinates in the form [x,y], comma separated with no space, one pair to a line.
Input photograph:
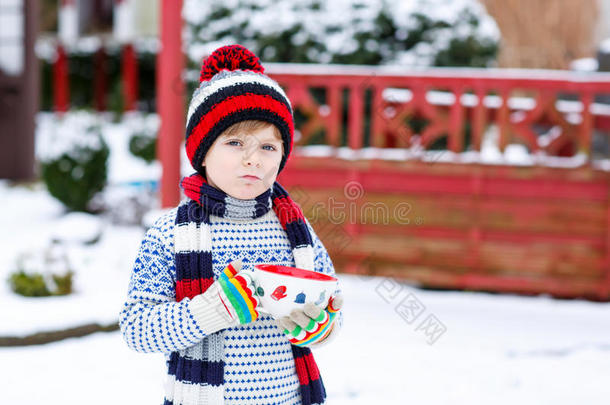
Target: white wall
[603,24]
[11,37]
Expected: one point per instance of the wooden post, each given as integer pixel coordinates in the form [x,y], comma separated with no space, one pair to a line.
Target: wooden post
[170,96]
[67,36]
[356,112]
[19,92]
[130,78]
[24,167]
[100,82]
[124,31]
[61,85]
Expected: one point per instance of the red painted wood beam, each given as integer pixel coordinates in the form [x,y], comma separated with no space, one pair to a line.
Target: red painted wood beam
[170,99]
[129,71]
[328,175]
[61,91]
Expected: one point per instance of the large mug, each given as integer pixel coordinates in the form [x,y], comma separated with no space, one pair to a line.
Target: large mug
[280,289]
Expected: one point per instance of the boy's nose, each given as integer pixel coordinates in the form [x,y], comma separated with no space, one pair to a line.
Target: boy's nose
[251,155]
[250,159]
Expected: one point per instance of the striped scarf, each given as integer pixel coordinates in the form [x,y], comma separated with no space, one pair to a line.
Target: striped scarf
[203,374]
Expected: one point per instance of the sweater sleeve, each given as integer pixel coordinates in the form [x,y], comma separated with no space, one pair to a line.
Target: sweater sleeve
[151,320]
[324,264]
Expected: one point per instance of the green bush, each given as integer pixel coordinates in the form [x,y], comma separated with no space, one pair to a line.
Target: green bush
[143,146]
[35,285]
[63,283]
[77,170]
[377,32]
[42,273]
[29,285]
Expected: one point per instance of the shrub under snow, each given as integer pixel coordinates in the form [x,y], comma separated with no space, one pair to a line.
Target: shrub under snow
[413,33]
[73,160]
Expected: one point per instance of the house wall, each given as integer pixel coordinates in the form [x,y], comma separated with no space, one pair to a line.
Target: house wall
[603,25]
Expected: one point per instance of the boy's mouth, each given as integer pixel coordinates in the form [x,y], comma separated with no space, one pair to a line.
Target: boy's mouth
[250,177]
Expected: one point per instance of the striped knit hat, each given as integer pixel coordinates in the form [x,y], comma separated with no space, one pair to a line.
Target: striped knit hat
[233,88]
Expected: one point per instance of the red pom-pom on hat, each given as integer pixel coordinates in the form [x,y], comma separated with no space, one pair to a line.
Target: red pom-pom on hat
[230,57]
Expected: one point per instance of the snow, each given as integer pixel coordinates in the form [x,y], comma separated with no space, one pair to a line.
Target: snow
[124,21]
[45,49]
[499,349]
[11,35]
[604,46]
[96,370]
[151,216]
[585,65]
[440,72]
[30,219]
[77,227]
[55,136]
[67,23]
[46,45]
[490,154]
[73,134]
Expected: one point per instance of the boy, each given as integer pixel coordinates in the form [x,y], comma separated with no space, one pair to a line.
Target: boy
[187,296]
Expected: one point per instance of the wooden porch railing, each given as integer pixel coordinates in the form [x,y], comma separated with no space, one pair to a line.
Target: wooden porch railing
[526,228]
[514,100]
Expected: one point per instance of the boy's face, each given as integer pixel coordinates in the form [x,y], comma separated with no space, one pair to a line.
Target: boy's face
[231,158]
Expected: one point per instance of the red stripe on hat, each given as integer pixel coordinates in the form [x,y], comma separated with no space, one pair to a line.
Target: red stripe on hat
[229,106]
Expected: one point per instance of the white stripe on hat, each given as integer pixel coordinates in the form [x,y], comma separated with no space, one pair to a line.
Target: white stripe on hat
[213,86]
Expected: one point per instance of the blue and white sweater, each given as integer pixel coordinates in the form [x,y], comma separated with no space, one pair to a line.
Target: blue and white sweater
[259,364]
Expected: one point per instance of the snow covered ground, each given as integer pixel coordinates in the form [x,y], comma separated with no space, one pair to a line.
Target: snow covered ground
[399,345]
[496,349]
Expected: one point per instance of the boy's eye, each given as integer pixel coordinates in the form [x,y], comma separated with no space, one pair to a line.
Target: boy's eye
[236,142]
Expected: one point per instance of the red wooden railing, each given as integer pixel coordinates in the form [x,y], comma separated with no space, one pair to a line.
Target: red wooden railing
[527,228]
[514,100]
[129,79]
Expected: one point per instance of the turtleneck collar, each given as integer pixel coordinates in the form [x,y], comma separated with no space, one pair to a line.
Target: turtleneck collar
[242,210]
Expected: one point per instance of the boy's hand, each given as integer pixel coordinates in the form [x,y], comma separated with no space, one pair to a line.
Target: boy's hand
[312,324]
[237,293]
[229,301]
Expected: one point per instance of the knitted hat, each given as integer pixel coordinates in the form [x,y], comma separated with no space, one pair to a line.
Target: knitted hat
[233,88]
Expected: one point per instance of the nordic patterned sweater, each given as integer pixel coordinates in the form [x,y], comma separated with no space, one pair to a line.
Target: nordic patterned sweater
[259,364]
